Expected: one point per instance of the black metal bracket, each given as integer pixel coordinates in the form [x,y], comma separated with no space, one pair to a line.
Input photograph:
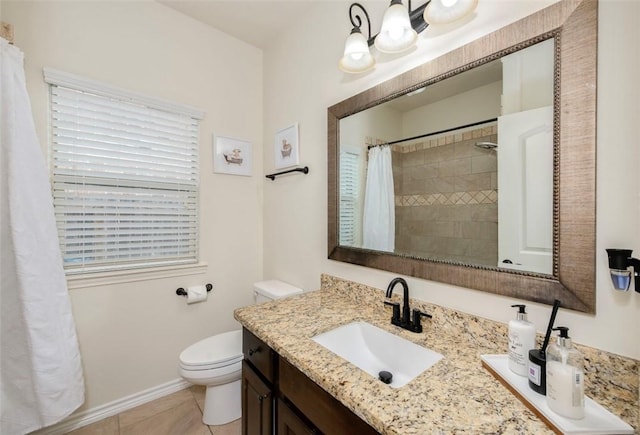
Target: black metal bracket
[182,292]
[304,170]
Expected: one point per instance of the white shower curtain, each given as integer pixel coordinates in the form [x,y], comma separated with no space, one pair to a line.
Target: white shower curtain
[379,222]
[41,379]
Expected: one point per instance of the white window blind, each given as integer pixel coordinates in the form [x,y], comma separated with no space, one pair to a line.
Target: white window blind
[125,182]
[349,190]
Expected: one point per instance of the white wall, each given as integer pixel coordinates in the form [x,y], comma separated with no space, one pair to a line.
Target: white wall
[379,122]
[478,104]
[295,211]
[132,333]
[527,78]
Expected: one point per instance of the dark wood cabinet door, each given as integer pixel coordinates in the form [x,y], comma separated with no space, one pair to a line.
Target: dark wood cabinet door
[290,424]
[323,410]
[257,403]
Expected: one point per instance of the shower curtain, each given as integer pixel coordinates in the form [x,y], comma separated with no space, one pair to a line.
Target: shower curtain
[41,379]
[379,223]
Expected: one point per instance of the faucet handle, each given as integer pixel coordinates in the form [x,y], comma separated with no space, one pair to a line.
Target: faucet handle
[417,314]
[396,310]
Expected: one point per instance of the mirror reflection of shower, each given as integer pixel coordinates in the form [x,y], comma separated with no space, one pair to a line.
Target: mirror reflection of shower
[446,159]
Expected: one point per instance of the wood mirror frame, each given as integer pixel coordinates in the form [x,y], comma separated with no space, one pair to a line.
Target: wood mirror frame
[573,24]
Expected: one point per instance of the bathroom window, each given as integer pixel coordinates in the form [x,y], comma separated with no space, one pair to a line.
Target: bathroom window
[124,175]
[349,194]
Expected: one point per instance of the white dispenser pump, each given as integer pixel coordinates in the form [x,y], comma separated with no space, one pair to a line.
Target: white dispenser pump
[522,338]
[565,377]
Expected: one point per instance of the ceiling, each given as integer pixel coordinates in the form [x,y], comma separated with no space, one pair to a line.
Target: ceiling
[471,79]
[257,22]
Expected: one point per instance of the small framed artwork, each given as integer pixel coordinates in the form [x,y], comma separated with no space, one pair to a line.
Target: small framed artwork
[287,152]
[232,156]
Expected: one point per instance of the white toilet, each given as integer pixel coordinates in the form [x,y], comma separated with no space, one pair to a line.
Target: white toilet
[217,362]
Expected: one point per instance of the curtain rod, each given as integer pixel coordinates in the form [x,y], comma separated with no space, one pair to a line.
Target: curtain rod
[433,133]
[6,31]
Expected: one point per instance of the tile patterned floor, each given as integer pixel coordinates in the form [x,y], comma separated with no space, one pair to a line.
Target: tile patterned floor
[176,414]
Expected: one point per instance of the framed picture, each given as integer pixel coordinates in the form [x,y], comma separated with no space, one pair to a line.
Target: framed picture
[287,152]
[232,156]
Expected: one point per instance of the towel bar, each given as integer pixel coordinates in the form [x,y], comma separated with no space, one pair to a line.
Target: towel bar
[304,170]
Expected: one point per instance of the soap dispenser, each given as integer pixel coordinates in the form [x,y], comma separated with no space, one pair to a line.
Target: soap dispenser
[522,338]
[565,377]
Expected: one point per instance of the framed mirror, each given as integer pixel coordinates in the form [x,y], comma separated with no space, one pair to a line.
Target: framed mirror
[467,206]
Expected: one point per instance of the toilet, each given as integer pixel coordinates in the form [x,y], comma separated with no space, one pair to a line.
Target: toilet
[216,362]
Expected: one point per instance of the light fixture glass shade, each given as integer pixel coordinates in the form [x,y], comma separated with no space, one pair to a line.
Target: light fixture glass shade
[447,11]
[396,34]
[621,279]
[357,57]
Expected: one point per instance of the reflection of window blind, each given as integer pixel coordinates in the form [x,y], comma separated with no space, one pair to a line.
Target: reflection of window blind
[125,182]
[349,188]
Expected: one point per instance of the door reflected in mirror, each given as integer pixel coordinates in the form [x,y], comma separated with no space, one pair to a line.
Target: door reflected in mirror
[459,171]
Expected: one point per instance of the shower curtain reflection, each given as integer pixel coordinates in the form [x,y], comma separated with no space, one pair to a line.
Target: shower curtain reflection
[379,202]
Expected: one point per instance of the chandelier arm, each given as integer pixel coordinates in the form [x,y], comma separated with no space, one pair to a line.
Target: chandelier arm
[356,21]
[417,21]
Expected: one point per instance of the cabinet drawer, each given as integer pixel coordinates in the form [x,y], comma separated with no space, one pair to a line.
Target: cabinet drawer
[320,407]
[258,354]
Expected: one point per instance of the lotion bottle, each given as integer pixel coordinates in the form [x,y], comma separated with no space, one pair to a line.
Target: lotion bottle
[565,377]
[522,338]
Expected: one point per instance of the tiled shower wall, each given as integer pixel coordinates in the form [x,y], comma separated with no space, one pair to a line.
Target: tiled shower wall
[446,197]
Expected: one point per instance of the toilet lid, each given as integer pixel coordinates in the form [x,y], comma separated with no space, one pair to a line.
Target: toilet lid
[220,349]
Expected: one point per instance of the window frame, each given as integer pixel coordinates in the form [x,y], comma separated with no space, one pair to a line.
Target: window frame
[99,275]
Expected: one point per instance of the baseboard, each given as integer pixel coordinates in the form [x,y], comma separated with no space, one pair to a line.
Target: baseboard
[98,413]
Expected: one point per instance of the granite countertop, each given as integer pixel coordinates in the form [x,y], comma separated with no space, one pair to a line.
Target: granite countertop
[455,395]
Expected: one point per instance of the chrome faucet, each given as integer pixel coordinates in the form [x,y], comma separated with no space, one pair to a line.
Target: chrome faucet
[404,322]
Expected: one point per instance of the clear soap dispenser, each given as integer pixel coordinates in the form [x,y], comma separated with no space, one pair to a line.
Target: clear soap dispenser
[565,377]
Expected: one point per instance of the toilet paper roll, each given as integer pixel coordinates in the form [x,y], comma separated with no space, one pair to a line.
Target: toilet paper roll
[196,293]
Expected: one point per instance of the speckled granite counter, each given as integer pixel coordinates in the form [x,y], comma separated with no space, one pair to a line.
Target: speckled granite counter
[456,395]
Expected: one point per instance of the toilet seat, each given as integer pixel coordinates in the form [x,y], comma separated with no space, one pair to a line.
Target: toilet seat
[214,352]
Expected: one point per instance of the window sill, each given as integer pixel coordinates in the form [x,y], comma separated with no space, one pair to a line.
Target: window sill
[133,275]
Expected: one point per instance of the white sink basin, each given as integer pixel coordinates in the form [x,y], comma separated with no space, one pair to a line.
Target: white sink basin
[374,350]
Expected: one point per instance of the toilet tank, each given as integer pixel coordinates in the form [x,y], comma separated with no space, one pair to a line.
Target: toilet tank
[265,291]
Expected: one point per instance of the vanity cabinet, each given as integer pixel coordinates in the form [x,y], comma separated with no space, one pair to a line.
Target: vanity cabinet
[290,423]
[258,378]
[277,398]
[316,405]
[257,403]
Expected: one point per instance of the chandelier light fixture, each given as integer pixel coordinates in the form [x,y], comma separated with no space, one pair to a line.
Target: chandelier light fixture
[399,29]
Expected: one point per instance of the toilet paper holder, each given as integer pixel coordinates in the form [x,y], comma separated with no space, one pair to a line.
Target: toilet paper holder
[182,292]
